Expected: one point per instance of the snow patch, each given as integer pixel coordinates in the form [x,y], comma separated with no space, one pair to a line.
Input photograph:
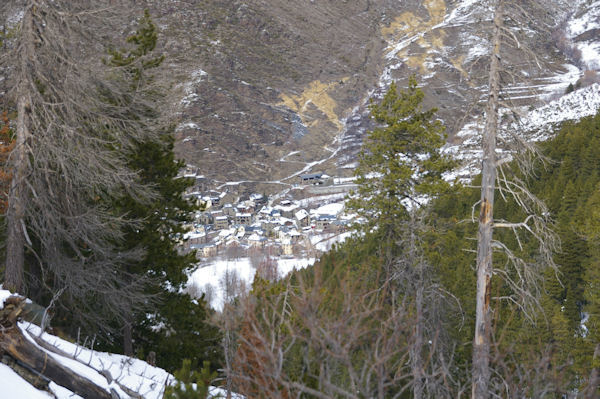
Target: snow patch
[586,22]
[13,386]
[217,270]
[329,209]
[4,294]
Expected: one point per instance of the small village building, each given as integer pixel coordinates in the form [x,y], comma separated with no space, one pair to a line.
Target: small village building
[289,211]
[323,221]
[282,232]
[340,225]
[216,212]
[221,222]
[287,247]
[303,218]
[232,242]
[265,212]
[246,207]
[197,236]
[258,199]
[205,218]
[205,250]
[257,241]
[229,210]
[312,178]
[243,218]
[220,243]
[204,202]
[240,231]
[295,236]
[190,171]
[268,226]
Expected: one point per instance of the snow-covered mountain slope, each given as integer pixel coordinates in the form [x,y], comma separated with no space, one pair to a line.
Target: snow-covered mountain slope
[254,80]
[582,29]
[577,36]
[536,125]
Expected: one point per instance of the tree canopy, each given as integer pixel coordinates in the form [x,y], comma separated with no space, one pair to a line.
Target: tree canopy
[401,163]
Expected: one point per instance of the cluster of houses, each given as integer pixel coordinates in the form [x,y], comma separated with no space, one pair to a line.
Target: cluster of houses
[230,225]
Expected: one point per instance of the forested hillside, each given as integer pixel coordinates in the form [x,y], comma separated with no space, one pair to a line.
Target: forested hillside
[350,323]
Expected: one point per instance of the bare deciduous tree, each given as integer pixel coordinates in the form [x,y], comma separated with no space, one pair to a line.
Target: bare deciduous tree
[413,278]
[299,338]
[75,124]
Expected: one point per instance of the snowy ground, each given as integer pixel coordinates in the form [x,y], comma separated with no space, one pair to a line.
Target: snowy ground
[132,374]
[211,278]
[535,125]
[324,242]
[582,23]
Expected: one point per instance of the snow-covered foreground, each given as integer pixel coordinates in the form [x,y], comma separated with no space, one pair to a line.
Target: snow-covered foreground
[213,278]
[114,373]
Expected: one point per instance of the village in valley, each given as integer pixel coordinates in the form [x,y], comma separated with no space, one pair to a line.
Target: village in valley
[286,231]
[232,223]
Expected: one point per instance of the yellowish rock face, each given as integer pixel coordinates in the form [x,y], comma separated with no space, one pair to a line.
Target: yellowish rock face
[420,31]
[318,95]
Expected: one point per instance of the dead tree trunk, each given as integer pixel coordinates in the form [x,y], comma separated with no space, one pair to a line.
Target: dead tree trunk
[128,338]
[15,235]
[482,339]
[416,355]
[15,345]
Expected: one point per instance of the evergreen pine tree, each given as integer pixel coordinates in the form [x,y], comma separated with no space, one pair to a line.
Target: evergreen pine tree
[191,384]
[592,273]
[184,331]
[182,327]
[570,88]
[401,160]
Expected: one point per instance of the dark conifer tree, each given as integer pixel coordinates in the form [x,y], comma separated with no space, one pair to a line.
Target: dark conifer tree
[177,327]
[401,161]
[173,326]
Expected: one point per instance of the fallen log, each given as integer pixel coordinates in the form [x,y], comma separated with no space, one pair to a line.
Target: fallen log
[14,344]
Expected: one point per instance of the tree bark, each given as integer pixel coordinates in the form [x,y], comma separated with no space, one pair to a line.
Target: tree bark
[417,346]
[17,196]
[127,339]
[482,339]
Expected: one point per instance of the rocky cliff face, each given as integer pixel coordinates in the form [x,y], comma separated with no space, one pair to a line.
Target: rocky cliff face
[264,78]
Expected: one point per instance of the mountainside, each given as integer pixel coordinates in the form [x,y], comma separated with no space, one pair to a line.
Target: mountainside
[262,91]
[256,80]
